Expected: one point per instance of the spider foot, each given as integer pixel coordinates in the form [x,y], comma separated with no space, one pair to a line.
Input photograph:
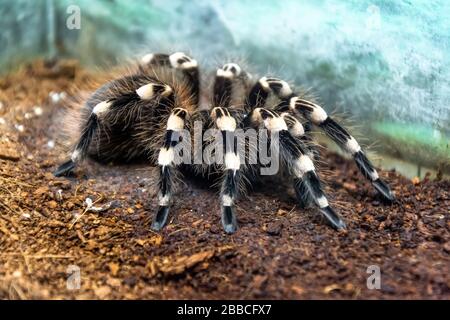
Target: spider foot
[335,220]
[161,218]
[229,222]
[384,190]
[65,169]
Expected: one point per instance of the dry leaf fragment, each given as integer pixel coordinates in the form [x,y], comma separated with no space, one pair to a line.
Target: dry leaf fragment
[177,265]
[102,292]
[330,288]
[114,268]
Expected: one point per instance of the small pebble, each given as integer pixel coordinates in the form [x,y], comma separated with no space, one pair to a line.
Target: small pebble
[52,204]
[54,96]
[38,110]
[20,127]
[59,196]
[51,144]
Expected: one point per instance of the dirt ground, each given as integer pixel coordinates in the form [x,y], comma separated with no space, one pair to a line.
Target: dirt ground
[279,252]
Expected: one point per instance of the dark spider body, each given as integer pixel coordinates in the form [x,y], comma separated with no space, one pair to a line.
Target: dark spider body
[142,116]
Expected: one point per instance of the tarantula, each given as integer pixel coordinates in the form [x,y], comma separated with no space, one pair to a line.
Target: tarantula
[142,114]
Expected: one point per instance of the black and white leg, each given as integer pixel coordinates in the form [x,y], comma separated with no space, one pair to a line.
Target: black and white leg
[167,165]
[260,91]
[226,123]
[298,131]
[295,154]
[179,61]
[259,94]
[257,98]
[318,116]
[103,109]
[223,83]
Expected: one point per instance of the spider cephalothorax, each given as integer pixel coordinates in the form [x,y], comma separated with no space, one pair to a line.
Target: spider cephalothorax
[144,114]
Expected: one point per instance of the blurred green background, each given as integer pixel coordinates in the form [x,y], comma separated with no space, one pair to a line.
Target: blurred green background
[384,64]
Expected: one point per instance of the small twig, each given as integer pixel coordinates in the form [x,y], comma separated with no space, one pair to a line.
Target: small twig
[176,231]
[46,256]
[16,181]
[19,292]
[27,262]
[90,207]
[7,190]
[8,208]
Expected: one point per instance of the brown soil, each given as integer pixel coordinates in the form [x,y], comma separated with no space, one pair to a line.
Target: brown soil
[279,252]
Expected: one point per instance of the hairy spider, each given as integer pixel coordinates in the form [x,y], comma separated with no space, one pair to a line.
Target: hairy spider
[144,113]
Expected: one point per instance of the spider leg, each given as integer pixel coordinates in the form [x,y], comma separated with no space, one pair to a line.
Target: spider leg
[259,93]
[257,98]
[223,83]
[81,148]
[104,109]
[179,61]
[167,164]
[295,154]
[226,123]
[299,132]
[317,115]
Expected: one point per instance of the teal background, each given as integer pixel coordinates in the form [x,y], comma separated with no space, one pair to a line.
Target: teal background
[384,64]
